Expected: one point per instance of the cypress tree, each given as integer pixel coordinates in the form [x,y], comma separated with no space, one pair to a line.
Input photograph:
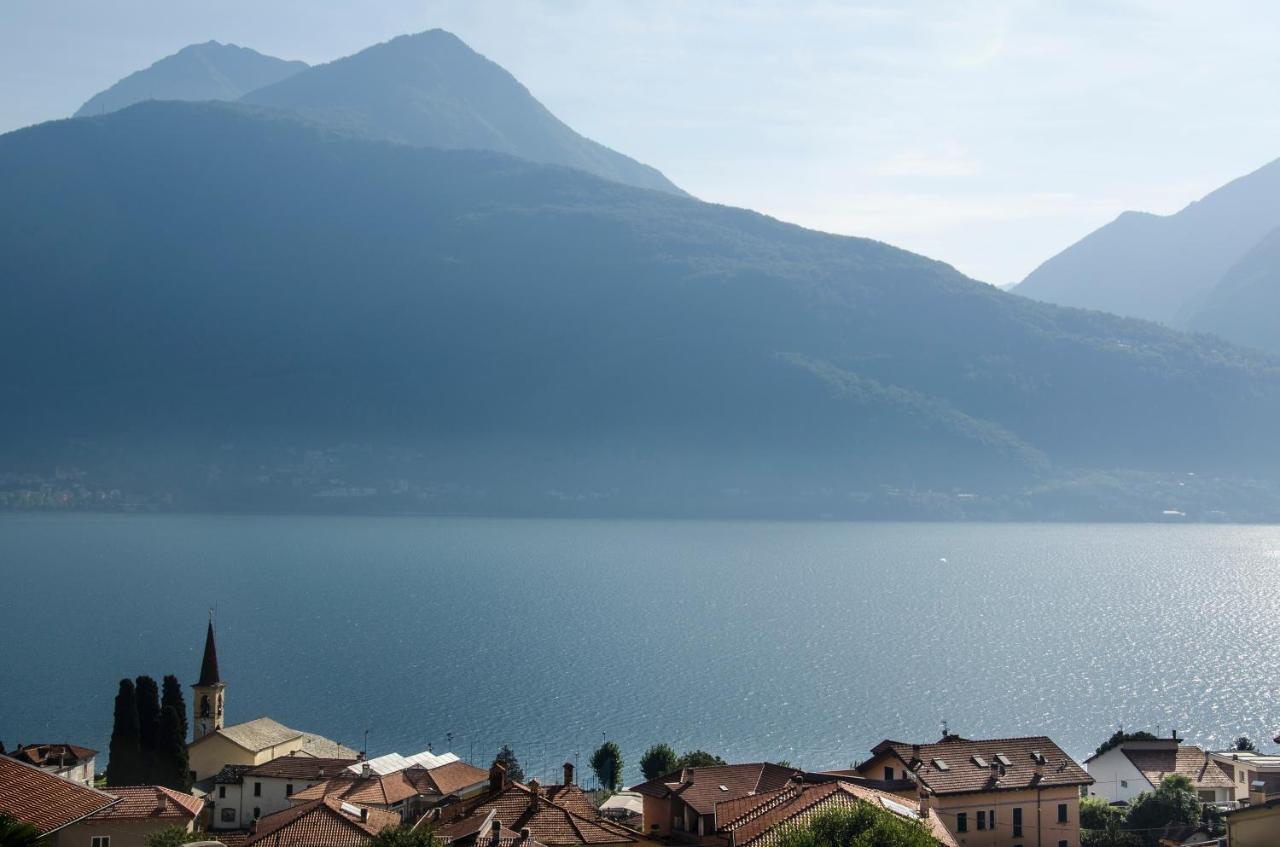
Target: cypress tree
[173,697]
[148,694]
[172,767]
[123,765]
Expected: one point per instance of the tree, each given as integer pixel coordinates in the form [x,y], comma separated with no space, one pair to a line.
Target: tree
[507,758]
[606,761]
[173,836]
[658,760]
[16,833]
[173,697]
[172,768]
[124,765]
[1244,745]
[1119,737]
[700,759]
[148,695]
[855,826]
[1096,813]
[1174,801]
[404,836]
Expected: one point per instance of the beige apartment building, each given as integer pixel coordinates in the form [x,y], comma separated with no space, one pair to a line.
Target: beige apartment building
[1003,792]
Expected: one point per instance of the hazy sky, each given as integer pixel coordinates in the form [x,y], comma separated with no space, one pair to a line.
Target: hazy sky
[989,135]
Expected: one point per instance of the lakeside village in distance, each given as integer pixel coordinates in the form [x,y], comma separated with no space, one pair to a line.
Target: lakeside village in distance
[262,784]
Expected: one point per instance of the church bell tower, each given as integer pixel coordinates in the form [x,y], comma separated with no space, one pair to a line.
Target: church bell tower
[206,706]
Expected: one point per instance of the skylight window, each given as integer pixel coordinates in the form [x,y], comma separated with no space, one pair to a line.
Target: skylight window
[941,765]
[980,762]
[724,788]
[1001,758]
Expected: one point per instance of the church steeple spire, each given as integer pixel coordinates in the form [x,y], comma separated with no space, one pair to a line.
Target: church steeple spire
[206,705]
[209,667]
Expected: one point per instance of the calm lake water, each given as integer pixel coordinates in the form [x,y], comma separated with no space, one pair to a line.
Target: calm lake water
[801,641]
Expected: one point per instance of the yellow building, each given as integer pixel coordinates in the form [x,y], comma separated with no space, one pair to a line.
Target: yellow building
[251,743]
[1005,792]
[1255,826]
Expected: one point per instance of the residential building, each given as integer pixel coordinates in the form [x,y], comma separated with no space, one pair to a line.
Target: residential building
[141,811]
[68,761]
[556,816]
[242,793]
[327,822]
[999,792]
[1254,776]
[1256,825]
[47,802]
[758,820]
[409,792]
[67,814]
[682,804]
[1123,772]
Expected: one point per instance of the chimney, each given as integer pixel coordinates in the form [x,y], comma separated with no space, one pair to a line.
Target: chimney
[922,795]
[253,826]
[366,771]
[1175,735]
[495,833]
[995,771]
[524,835]
[364,815]
[497,778]
[568,773]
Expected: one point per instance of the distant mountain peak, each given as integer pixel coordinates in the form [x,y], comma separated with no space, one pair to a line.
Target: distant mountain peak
[430,89]
[209,70]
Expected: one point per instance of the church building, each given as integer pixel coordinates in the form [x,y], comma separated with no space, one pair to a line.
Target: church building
[214,745]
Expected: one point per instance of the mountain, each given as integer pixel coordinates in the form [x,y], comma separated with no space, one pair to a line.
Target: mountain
[222,301]
[432,90]
[1245,304]
[209,71]
[1156,267]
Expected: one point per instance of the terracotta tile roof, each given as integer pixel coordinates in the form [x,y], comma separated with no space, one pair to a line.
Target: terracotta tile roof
[573,798]
[759,821]
[703,788]
[230,837]
[231,774]
[150,801]
[52,755]
[43,800]
[327,822]
[300,767]
[452,778]
[517,807]
[1189,761]
[958,765]
[371,790]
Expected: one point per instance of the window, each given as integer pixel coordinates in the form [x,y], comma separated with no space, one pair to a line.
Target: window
[962,822]
[982,821]
[991,818]
[228,814]
[888,774]
[288,789]
[1017,822]
[100,841]
[1062,813]
[257,789]
[1124,783]
[222,792]
[1063,843]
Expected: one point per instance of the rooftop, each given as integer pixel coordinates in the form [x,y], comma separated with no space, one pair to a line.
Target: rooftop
[703,788]
[150,801]
[392,762]
[554,816]
[53,755]
[757,821]
[957,765]
[43,800]
[1189,761]
[263,733]
[299,767]
[327,822]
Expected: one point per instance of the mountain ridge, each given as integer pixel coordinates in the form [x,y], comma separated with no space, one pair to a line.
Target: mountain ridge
[529,333]
[430,89]
[207,71]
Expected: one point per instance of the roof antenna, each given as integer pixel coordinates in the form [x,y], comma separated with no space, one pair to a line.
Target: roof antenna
[944,728]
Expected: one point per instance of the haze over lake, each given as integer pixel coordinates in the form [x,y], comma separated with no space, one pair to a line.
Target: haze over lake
[801,641]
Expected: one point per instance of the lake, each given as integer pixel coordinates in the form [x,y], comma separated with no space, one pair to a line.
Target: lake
[808,642]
